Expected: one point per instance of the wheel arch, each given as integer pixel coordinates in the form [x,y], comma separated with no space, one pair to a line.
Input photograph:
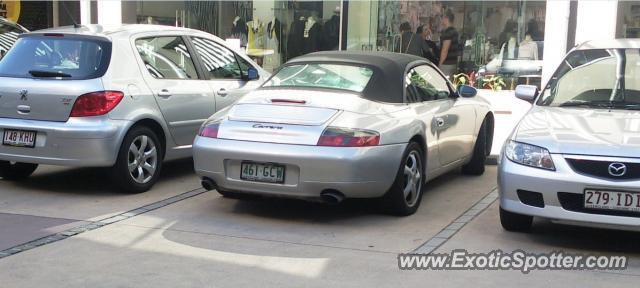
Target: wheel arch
[157,128]
[420,139]
[490,120]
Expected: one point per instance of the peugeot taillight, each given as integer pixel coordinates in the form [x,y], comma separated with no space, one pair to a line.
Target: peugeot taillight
[348,137]
[96,103]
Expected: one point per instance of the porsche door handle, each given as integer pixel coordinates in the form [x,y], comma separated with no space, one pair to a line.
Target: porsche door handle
[440,121]
[164,93]
[223,92]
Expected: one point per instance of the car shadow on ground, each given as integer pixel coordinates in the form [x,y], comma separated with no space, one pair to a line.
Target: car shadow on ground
[93,181]
[584,238]
[301,210]
[355,223]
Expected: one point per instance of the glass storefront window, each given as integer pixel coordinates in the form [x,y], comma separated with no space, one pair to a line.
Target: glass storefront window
[482,39]
[485,38]
[628,19]
[271,32]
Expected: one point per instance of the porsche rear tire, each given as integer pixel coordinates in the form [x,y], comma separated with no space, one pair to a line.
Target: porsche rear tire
[476,165]
[405,195]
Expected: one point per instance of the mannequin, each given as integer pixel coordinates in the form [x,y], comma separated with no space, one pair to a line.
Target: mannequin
[255,34]
[512,47]
[528,48]
[331,31]
[311,35]
[308,25]
[274,30]
[239,30]
[509,50]
[295,45]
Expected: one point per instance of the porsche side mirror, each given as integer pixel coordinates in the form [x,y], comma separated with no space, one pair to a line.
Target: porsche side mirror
[252,74]
[467,91]
[526,92]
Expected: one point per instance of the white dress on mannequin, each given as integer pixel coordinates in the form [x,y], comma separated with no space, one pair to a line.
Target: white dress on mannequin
[528,49]
[271,62]
[511,48]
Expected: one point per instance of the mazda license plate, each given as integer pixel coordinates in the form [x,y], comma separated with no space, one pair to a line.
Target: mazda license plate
[612,200]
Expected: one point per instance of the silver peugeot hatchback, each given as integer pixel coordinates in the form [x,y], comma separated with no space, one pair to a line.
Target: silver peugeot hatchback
[126,97]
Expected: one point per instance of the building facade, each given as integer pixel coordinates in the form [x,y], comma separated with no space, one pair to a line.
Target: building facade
[500,43]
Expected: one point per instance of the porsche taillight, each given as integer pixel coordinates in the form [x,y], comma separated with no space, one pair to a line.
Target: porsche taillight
[209,130]
[348,137]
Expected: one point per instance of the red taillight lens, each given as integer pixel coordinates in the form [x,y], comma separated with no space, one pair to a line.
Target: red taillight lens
[345,137]
[210,130]
[96,103]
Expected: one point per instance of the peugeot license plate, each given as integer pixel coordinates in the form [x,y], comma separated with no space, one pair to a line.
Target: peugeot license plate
[19,138]
[612,200]
[262,172]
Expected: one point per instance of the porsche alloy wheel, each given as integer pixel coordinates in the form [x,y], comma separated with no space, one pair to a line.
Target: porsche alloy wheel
[405,194]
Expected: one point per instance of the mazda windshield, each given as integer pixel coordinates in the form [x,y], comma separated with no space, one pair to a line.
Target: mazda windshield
[596,78]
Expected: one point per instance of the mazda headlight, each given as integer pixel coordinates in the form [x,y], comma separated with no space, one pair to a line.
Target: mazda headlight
[529,155]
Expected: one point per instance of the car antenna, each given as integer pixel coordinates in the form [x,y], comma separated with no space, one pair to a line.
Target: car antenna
[75,23]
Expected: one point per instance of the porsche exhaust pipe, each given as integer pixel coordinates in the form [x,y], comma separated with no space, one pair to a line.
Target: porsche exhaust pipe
[209,184]
[331,196]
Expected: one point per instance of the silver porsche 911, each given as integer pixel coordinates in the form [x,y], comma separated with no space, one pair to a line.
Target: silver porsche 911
[332,125]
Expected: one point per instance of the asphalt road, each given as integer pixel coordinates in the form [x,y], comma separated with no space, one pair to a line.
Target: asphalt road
[178,235]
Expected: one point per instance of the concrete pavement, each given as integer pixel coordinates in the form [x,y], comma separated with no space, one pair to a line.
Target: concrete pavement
[210,241]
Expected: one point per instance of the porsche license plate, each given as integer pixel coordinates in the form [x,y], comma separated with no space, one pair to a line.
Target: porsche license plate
[262,172]
[19,138]
[612,200]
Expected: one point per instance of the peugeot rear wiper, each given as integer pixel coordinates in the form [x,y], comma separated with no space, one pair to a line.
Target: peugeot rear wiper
[42,73]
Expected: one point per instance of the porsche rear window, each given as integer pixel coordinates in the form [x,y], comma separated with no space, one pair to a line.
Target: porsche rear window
[335,76]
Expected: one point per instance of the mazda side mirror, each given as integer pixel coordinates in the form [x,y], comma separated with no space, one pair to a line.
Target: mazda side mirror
[252,74]
[467,91]
[526,92]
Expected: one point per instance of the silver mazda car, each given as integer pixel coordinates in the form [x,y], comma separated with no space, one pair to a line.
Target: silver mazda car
[575,157]
[332,125]
[9,33]
[126,97]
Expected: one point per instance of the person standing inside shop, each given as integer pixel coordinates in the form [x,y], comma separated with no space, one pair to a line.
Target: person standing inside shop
[412,43]
[431,51]
[409,42]
[449,46]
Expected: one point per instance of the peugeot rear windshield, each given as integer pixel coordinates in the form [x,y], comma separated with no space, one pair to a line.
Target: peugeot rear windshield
[333,76]
[56,56]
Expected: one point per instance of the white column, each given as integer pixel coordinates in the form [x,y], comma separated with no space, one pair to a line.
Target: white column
[85,12]
[555,36]
[597,20]
[110,12]
[56,13]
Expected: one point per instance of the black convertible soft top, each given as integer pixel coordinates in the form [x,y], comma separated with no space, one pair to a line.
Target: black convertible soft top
[387,82]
